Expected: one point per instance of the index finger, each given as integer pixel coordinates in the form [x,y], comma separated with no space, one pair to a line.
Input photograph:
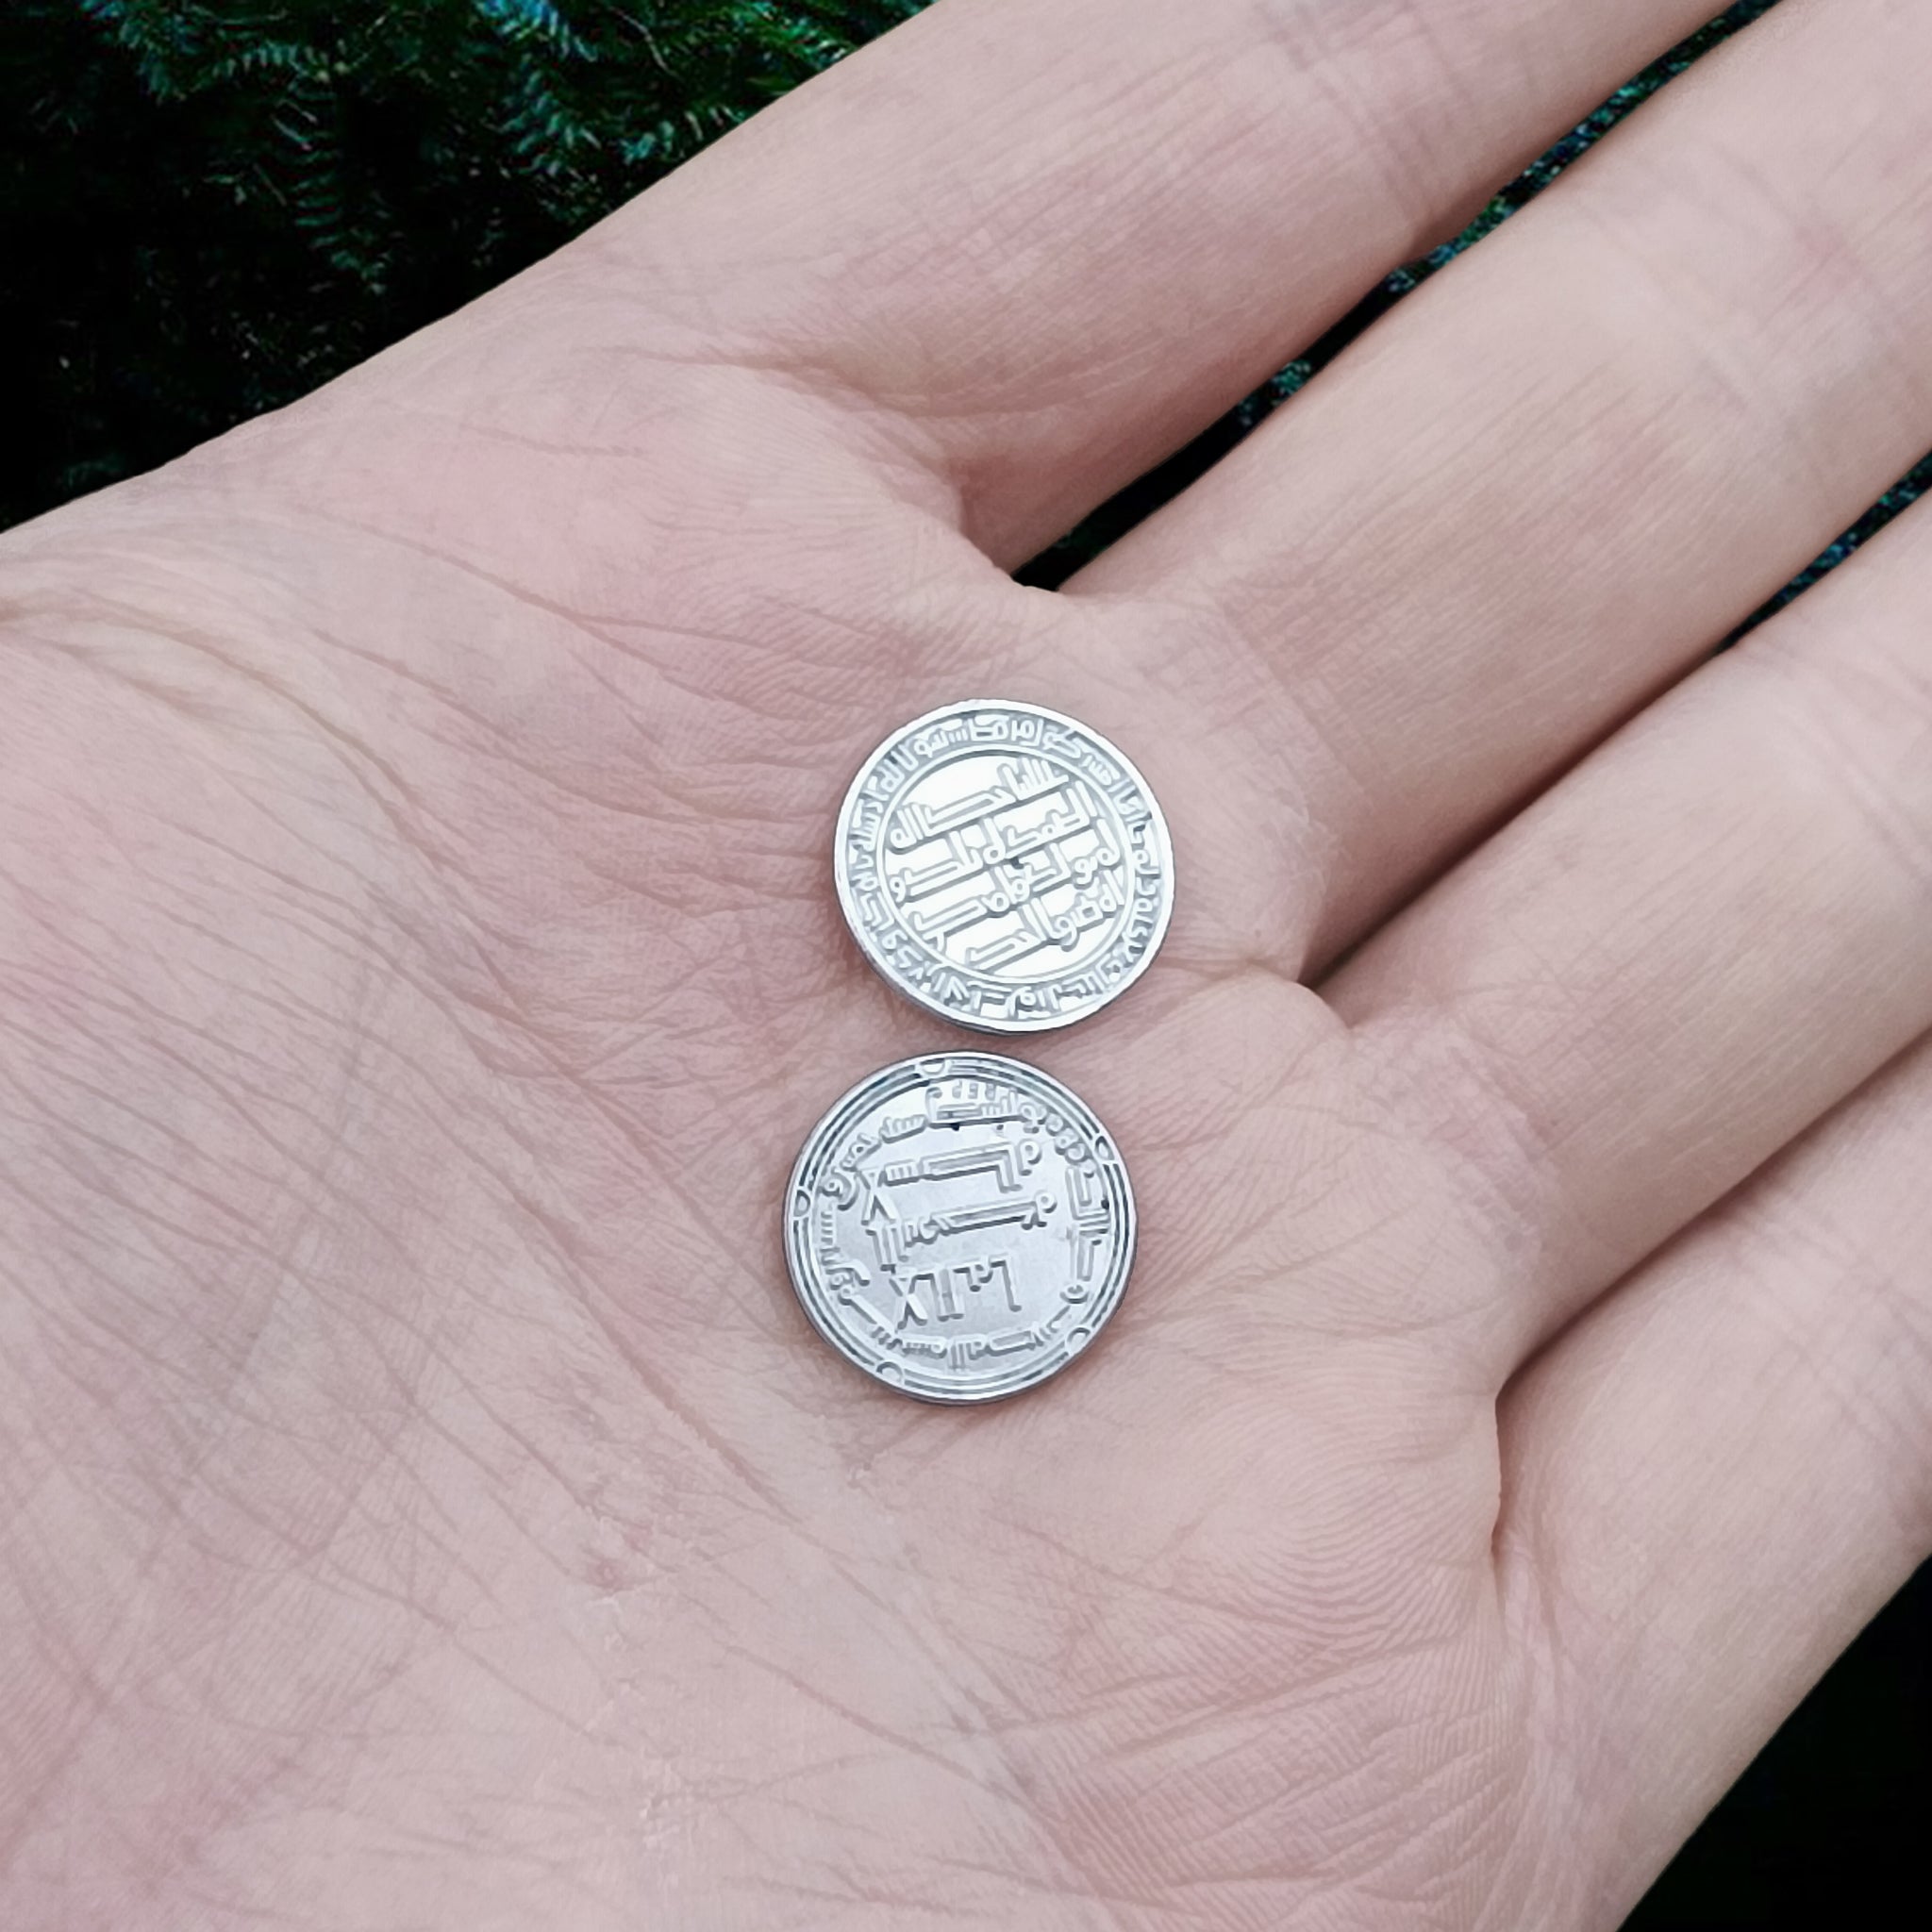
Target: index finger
[1051,243]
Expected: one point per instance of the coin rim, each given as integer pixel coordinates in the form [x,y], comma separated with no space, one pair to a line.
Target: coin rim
[1107,1302]
[978,1023]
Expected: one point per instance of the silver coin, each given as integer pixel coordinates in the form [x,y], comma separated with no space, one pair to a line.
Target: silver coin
[960,1226]
[1003,866]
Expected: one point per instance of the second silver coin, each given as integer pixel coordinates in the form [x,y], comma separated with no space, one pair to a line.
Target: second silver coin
[1003,866]
[960,1226]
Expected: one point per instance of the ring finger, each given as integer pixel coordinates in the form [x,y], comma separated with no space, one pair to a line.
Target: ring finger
[1547,485]
[1682,955]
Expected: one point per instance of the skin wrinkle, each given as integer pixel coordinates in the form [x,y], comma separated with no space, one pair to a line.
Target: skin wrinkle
[631,1132]
[894,448]
[1831,715]
[133,626]
[479,1660]
[211,1445]
[15,1830]
[1014,1781]
[208,644]
[606,631]
[1780,1225]
[1500,1195]
[1306,848]
[1728,365]
[229,1094]
[1839,263]
[917,473]
[82,1235]
[976,1726]
[1748,1237]
[1395,145]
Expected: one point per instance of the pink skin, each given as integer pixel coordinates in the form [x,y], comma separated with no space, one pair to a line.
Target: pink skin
[424,1505]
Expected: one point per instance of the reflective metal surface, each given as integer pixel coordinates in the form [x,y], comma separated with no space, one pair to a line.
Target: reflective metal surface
[960,1226]
[1003,866]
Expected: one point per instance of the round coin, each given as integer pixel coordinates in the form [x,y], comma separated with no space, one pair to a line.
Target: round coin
[960,1226]
[1003,866]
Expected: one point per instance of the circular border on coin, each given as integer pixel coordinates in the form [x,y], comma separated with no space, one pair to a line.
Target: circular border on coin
[835,1307]
[982,1000]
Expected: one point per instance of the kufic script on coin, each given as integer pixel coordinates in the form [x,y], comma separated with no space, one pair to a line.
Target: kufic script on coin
[960,1226]
[1003,866]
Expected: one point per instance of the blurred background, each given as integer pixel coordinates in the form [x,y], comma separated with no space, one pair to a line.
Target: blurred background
[207,209]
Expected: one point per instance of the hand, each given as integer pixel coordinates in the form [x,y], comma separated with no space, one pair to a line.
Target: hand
[424,1503]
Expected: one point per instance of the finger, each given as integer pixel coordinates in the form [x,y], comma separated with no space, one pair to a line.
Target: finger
[1685,953]
[1719,1476]
[1559,475]
[1051,243]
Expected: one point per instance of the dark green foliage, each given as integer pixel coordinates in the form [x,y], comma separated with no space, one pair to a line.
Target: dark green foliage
[210,207]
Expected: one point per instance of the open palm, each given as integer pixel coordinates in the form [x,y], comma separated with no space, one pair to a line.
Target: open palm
[424,1503]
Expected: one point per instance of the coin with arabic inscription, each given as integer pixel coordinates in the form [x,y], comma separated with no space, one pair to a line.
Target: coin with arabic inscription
[959,1227]
[1003,866]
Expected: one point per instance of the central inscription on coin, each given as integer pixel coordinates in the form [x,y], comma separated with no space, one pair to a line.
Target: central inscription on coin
[959,1227]
[1003,866]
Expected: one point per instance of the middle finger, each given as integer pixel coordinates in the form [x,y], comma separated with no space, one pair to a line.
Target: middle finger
[1556,478]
